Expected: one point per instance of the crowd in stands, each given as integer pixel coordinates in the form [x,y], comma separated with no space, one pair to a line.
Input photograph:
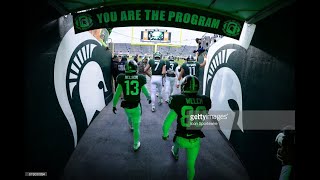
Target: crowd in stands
[141,51]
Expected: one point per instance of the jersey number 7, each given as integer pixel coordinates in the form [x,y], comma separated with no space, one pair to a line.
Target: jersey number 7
[157,64]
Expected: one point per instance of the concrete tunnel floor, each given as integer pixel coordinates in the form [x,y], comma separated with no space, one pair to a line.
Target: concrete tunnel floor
[105,151]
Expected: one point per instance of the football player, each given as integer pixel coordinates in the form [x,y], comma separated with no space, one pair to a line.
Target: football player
[158,68]
[191,67]
[131,84]
[186,136]
[171,77]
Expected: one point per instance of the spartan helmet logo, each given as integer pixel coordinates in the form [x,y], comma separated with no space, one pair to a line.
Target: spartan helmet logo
[222,85]
[232,28]
[83,21]
[79,82]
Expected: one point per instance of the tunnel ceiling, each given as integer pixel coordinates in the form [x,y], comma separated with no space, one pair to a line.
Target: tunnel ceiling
[251,11]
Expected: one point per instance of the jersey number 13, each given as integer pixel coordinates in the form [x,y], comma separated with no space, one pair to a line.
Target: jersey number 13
[132,87]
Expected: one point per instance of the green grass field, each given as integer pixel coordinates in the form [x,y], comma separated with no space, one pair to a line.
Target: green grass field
[180,62]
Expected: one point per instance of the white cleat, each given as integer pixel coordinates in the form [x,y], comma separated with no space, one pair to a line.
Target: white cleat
[136,148]
[176,157]
[153,108]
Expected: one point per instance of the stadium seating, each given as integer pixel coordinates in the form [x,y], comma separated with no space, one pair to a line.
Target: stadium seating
[132,50]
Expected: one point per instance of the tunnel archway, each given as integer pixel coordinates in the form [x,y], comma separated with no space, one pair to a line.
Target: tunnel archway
[48,115]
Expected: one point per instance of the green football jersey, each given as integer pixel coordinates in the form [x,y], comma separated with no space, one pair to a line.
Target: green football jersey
[171,68]
[156,66]
[185,106]
[191,68]
[131,86]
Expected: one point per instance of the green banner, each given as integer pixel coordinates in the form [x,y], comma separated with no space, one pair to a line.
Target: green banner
[157,15]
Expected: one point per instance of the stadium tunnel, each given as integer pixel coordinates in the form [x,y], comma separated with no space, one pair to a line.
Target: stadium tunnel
[70,131]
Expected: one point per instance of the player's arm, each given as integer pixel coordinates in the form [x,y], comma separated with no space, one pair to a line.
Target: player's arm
[145,91]
[164,70]
[117,95]
[148,73]
[181,74]
[204,62]
[180,77]
[171,116]
[175,69]
[147,68]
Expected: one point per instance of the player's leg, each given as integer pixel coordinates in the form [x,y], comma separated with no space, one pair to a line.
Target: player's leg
[172,84]
[179,142]
[136,119]
[192,154]
[167,87]
[129,116]
[177,90]
[157,93]
[115,84]
[175,150]
[159,88]
[153,92]
[135,115]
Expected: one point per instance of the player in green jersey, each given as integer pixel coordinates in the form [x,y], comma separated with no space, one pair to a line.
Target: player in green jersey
[131,84]
[158,68]
[191,67]
[171,76]
[183,108]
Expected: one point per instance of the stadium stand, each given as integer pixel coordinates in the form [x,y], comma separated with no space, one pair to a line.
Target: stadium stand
[126,48]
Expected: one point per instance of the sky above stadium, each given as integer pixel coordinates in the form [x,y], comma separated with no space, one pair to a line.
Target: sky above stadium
[133,35]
